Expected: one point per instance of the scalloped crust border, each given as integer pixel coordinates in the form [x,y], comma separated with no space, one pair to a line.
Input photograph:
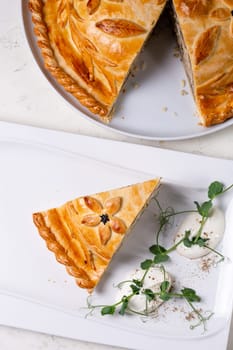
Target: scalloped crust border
[81,277]
[68,83]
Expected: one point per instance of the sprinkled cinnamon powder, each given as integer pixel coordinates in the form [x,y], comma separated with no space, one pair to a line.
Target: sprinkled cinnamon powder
[190,316]
[207,263]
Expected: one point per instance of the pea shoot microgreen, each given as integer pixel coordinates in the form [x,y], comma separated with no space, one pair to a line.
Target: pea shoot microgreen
[137,287]
[164,294]
[161,255]
[215,189]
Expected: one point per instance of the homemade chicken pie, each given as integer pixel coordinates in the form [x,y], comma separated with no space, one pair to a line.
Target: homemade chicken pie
[205,35]
[89,46]
[85,233]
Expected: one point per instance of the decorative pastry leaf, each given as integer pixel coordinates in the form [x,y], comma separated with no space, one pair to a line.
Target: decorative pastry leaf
[113,205]
[206,43]
[118,225]
[104,233]
[62,13]
[92,6]
[80,41]
[83,45]
[66,11]
[93,204]
[221,14]
[88,64]
[120,28]
[103,74]
[192,8]
[91,220]
[220,83]
[92,260]
[103,61]
[74,13]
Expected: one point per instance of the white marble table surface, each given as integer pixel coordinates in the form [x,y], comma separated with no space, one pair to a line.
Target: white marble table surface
[27,98]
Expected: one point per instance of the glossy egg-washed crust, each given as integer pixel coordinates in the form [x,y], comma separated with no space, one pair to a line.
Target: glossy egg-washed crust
[84,242]
[207,28]
[90,45]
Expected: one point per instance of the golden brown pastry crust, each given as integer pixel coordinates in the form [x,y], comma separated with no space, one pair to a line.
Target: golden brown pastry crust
[51,64]
[85,233]
[90,45]
[207,28]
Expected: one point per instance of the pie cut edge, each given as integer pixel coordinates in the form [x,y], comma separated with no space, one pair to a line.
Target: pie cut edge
[205,32]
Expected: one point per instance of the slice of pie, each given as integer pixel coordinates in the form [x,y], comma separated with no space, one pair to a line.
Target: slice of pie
[85,233]
[205,34]
[89,46]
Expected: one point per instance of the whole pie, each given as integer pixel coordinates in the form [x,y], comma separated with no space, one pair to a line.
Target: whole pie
[85,233]
[89,46]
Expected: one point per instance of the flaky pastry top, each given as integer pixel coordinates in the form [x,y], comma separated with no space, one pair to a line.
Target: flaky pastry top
[207,28]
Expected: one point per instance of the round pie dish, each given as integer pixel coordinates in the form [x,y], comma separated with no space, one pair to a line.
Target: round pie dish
[157,102]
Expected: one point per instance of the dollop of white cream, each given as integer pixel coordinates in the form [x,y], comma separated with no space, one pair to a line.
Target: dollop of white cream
[213,230]
[152,281]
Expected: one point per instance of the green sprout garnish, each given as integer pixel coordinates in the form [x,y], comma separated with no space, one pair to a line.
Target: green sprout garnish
[215,189]
[165,294]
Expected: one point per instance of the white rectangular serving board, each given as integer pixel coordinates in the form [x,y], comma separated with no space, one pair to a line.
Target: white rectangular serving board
[41,169]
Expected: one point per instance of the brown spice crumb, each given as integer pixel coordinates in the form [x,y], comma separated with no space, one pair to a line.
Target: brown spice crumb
[165,109]
[190,316]
[206,264]
[183,83]
[184,92]
[176,52]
